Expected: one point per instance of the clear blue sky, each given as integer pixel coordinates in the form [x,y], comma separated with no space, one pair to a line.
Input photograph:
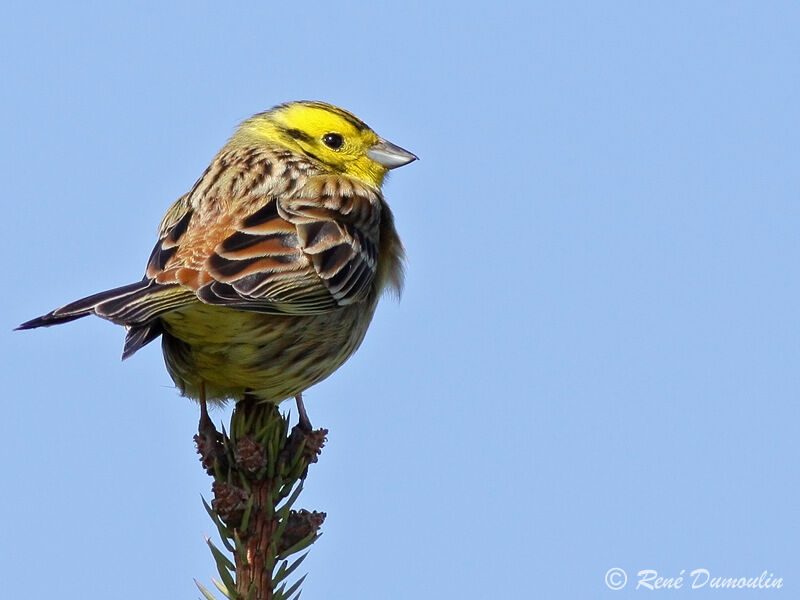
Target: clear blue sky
[595,363]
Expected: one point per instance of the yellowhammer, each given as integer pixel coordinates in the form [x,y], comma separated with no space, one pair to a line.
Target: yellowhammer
[267,272]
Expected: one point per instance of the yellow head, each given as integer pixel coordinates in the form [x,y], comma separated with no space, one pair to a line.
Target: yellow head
[328,134]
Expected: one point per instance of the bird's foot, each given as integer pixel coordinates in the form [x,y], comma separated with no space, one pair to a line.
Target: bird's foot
[208,441]
[303,420]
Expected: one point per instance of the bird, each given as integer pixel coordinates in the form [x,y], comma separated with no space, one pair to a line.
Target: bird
[267,272]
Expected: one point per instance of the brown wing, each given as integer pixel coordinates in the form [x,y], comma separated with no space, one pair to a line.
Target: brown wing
[311,251]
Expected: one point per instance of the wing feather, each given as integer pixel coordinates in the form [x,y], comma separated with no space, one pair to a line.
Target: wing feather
[308,251]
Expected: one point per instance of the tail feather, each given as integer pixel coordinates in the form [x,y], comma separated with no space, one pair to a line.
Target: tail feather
[143,304]
[47,320]
[137,306]
[83,307]
[140,336]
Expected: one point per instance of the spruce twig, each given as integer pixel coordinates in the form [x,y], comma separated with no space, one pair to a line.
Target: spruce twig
[258,472]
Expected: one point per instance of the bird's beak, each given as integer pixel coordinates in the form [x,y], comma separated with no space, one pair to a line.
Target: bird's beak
[389,155]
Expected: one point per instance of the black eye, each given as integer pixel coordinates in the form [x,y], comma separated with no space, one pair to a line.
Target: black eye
[334,141]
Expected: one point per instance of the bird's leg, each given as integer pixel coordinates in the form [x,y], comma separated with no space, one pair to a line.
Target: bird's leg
[208,439]
[304,422]
[206,426]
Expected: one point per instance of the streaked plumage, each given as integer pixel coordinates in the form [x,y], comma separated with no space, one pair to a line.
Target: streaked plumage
[267,272]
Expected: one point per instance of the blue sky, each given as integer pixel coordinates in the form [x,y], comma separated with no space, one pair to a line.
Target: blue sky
[595,363]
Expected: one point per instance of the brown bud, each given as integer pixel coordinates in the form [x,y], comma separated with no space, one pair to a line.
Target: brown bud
[300,525]
[315,440]
[229,502]
[250,455]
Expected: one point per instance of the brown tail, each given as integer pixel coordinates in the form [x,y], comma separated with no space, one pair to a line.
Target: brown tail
[137,306]
[84,306]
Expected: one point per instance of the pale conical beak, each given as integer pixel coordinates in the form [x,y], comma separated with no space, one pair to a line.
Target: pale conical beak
[389,155]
